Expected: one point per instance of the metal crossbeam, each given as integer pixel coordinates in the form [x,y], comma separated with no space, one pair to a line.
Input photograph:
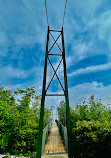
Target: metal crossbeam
[55,54]
[55,94]
[54,30]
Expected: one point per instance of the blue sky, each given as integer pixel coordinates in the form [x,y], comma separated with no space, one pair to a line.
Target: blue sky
[87,31]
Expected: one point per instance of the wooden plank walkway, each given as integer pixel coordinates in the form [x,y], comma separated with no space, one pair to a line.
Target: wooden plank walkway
[54,146]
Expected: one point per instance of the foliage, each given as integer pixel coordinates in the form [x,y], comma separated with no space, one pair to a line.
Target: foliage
[92,139]
[91,110]
[62,113]
[19,120]
[91,128]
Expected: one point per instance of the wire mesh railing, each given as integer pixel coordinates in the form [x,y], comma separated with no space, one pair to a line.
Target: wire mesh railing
[46,131]
[63,132]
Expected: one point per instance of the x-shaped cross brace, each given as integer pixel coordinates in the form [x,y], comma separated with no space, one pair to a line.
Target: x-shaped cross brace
[55,73]
[55,42]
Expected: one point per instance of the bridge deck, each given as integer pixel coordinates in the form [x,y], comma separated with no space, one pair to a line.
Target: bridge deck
[54,146]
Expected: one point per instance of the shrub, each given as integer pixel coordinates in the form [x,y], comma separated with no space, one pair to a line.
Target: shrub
[91,139]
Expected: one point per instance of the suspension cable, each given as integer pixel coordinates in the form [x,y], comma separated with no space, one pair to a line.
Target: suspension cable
[51,87]
[46,12]
[50,79]
[58,87]
[64,13]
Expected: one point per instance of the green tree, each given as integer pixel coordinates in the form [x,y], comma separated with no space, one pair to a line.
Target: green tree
[62,113]
[19,120]
[7,103]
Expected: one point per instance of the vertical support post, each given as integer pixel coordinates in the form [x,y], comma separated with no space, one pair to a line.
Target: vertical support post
[68,122]
[39,142]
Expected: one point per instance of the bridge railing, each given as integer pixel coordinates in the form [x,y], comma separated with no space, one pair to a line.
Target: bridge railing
[46,131]
[63,132]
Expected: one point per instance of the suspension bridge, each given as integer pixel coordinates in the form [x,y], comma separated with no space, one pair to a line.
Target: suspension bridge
[54,140]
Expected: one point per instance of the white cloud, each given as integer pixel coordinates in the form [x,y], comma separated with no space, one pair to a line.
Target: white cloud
[23,22]
[81,49]
[91,69]
[26,22]
[82,91]
[87,17]
[11,72]
[104,30]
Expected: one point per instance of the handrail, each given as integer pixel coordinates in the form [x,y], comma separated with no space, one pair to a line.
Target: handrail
[46,131]
[63,132]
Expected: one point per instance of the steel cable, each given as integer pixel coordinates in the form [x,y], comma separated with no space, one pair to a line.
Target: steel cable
[64,13]
[46,12]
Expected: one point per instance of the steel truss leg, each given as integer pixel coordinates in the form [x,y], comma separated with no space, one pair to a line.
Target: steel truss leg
[68,122]
[39,142]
